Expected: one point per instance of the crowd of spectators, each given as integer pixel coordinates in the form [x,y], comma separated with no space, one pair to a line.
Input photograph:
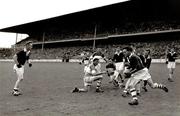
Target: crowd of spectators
[108,30]
[5,53]
[104,30]
[158,50]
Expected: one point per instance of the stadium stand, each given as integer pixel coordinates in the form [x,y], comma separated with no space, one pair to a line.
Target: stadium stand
[146,24]
[5,53]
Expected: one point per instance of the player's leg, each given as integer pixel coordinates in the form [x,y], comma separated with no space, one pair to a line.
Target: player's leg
[98,84]
[136,78]
[120,69]
[126,89]
[133,91]
[19,74]
[87,84]
[85,89]
[138,88]
[171,67]
[121,80]
[170,74]
[146,76]
[144,85]
[171,71]
[156,85]
[116,79]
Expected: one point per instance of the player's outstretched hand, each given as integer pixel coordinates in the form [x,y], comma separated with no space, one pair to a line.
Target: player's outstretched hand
[30,65]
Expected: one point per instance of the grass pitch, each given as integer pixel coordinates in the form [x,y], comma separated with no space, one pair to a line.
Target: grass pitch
[46,92]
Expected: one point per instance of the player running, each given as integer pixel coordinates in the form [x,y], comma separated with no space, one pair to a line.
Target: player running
[92,73]
[137,73]
[20,59]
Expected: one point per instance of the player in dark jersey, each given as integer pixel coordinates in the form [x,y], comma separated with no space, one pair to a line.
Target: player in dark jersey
[113,73]
[171,64]
[147,64]
[20,59]
[118,59]
[146,60]
[138,72]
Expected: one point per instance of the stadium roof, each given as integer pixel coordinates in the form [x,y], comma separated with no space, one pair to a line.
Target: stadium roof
[134,9]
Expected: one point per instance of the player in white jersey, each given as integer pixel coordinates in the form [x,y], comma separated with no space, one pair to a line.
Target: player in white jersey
[92,73]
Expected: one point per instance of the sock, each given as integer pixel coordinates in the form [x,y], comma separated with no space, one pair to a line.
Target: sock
[145,83]
[134,93]
[159,86]
[98,84]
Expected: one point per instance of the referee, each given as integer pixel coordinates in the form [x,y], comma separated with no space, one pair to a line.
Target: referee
[20,59]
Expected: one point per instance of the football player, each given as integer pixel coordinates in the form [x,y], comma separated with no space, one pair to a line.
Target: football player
[171,63]
[92,73]
[20,58]
[137,73]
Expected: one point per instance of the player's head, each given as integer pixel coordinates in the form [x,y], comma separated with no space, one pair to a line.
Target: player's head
[29,45]
[172,50]
[147,52]
[98,50]
[95,61]
[127,51]
[118,49]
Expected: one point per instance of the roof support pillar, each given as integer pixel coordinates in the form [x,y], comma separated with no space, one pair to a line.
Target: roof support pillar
[43,39]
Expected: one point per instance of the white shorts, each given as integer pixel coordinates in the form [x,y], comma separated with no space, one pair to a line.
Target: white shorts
[119,66]
[89,79]
[114,76]
[141,74]
[19,71]
[171,65]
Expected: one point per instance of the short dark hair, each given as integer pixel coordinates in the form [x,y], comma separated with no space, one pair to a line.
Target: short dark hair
[95,59]
[128,48]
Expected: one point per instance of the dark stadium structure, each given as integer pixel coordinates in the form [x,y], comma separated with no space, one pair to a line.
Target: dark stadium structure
[130,21]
